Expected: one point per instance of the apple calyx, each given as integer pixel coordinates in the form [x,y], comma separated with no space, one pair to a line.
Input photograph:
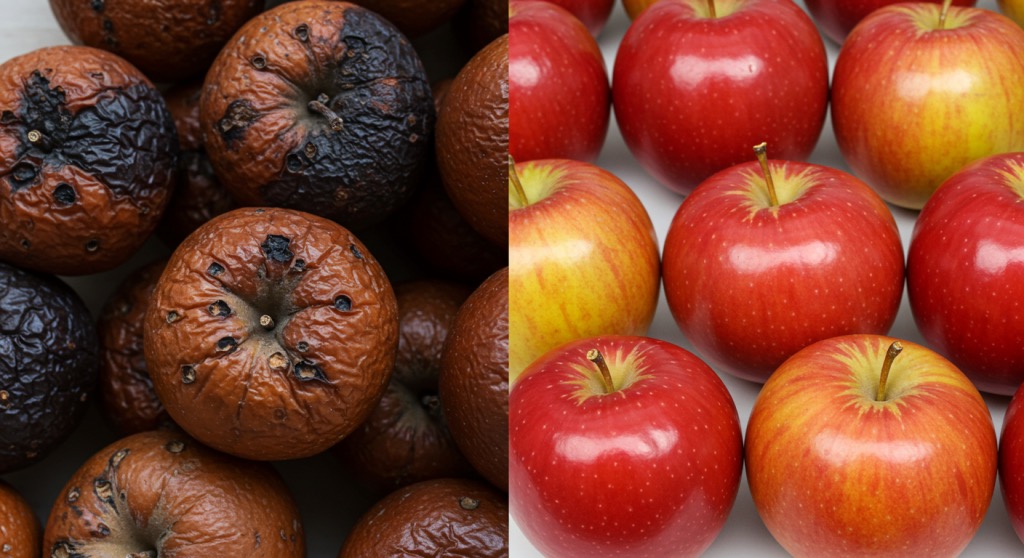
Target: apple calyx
[761,151]
[515,185]
[894,350]
[595,356]
[943,12]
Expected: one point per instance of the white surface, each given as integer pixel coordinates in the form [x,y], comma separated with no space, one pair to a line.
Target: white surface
[744,534]
[329,500]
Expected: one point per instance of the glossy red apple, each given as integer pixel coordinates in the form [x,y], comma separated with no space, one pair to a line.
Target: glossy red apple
[837,17]
[750,282]
[559,97]
[641,460]
[583,258]
[693,92]
[842,462]
[1011,462]
[965,272]
[914,100]
[593,13]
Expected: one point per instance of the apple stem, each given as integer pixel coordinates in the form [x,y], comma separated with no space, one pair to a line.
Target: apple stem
[595,356]
[513,179]
[711,8]
[761,150]
[942,13]
[894,350]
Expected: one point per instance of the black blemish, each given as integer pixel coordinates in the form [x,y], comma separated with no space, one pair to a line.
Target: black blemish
[97,5]
[188,374]
[259,62]
[275,247]
[228,344]
[126,139]
[64,194]
[92,245]
[355,251]
[103,491]
[215,269]
[237,119]
[25,244]
[302,346]
[307,371]
[219,308]
[343,303]
[101,531]
[302,32]
[299,265]
[6,117]
[108,25]
[365,171]
[23,174]
[257,533]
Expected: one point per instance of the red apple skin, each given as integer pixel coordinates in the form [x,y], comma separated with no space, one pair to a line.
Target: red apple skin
[583,259]
[965,272]
[559,97]
[750,285]
[837,17]
[833,473]
[1011,462]
[649,470]
[593,13]
[693,94]
[912,104]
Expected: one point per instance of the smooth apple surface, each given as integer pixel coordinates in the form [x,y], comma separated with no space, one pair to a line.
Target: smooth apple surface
[835,472]
[559,97]
[1014,9]
[593,13]
[965,272]
[1011,462]
[650,468]
[837,17]
[913,103]
[583,259]
[750,284]
[693,92]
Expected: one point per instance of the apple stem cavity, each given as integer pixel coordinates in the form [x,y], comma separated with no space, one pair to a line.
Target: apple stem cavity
[761,151]
[711,9]
[595,356]
[943,12]
[517,186]
[894,350]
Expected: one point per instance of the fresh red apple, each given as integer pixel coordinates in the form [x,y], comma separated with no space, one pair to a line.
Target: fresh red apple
[559,97]
[856,449]
[593,13]
[1011,462]
[965,272]
[622,446]
[837,17]
[1014,9]
[693,91]
[583,258]
[915,97]
[750,281]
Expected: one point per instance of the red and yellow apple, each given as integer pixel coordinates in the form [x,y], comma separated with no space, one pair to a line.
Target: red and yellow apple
[965,272]
[854,451]
[559,97]
[1011,462]
[750,281]
[622,446]
[916,97]
[583,258]
[694,90]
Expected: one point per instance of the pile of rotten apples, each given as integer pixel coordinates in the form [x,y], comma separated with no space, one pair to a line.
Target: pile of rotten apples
[287,150]
[776,271]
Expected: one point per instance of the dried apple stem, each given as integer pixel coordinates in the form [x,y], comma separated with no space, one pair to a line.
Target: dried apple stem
[319,105]
[943,12]
[267,322]
[517,186]
[761,151]
[894,350]
[595,356]
[711,8]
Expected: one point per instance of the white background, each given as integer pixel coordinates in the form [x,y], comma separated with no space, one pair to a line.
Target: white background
[329,501]
[744,534]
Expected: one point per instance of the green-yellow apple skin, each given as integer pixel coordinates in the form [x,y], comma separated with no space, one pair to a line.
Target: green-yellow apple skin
[833,472]
[913,103]
[1014,9]
[583,259]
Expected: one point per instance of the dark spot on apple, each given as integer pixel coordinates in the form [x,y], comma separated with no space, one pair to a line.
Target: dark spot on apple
[215,269]
[219,308]
[343,303]
[97,5]
[355,251]
[228,344]
[237,119]
[307,371]
[188,374]
[64,194]
[276,248]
